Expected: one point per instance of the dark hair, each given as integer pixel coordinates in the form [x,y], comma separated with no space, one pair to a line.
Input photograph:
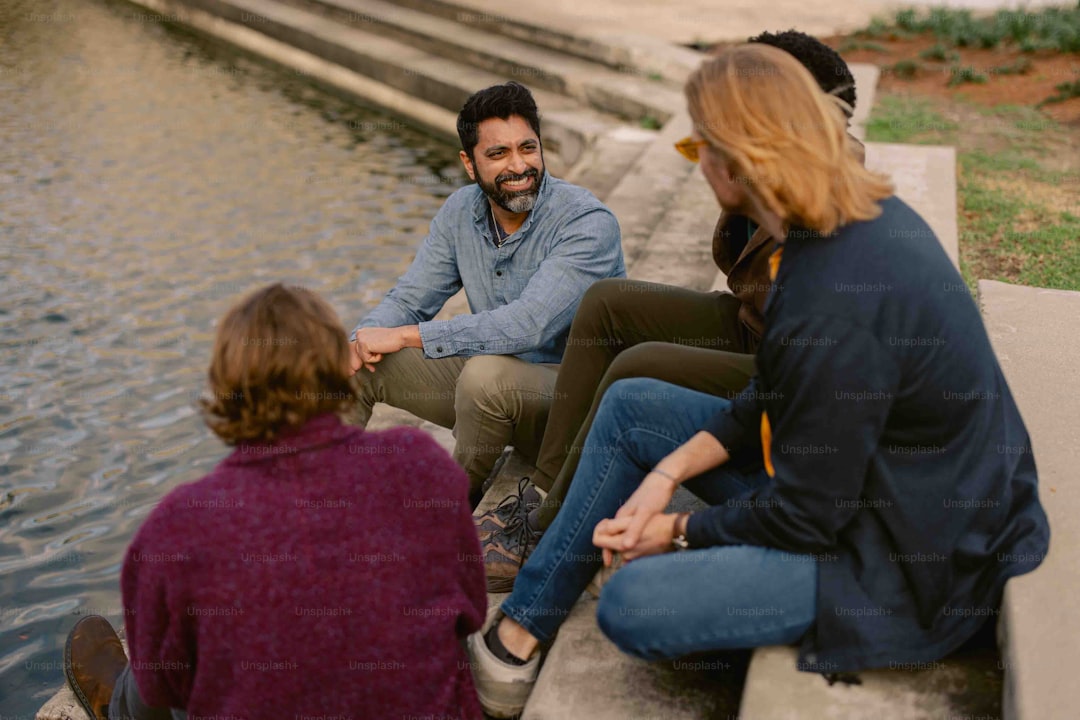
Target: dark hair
[824,63]
[280,358]
[497,101]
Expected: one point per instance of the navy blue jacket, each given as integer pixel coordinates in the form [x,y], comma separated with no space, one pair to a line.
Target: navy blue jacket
[900,461]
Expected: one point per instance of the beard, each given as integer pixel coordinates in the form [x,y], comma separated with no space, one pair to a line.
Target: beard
[520,201]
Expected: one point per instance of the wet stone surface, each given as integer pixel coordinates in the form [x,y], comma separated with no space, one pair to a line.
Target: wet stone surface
[149,178]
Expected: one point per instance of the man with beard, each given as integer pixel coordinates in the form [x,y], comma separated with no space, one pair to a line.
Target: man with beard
[525,247]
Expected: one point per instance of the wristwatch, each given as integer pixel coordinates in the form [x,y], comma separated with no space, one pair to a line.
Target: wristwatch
[679,542]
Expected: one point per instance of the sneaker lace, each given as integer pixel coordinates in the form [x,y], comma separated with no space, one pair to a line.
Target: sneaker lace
[513,505]
[519,536]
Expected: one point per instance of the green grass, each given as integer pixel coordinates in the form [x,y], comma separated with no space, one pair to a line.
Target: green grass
[1007,231]
[908,120]
[1004,162]
[1047,256]
[1055,28]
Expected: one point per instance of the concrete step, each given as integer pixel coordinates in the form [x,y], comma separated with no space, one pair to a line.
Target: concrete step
[643,55]
[679,250]
[1036,335]
[966,685]
[925,178]
[410,75]
[866,80]
[585,676]
[64,705]
[628,95]
[610,158]
[644,194]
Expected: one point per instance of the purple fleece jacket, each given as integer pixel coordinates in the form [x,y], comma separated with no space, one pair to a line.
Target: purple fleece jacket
[334,573]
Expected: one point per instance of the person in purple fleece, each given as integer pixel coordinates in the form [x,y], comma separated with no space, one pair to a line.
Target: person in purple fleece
[319,570]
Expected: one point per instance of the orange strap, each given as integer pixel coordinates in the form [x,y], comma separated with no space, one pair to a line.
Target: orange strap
[766,429]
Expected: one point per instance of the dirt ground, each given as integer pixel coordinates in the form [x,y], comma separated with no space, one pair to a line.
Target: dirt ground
[1033,79]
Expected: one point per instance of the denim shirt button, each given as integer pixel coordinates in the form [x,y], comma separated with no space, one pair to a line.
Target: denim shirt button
[438,348]
[481,346]
[498,273]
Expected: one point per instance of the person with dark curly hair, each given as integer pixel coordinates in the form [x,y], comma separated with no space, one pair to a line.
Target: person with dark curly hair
[281,584]
[627,328]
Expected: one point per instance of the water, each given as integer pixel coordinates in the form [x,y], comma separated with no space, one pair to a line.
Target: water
[147,179]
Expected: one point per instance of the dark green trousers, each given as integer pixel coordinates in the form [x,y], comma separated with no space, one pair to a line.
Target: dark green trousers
[629,328]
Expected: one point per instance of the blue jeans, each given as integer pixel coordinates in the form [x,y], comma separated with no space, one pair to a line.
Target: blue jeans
[665,605]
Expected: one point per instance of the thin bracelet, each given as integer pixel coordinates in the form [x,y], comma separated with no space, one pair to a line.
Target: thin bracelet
[661,473]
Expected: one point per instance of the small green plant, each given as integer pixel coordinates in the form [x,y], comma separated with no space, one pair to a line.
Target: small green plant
[1066,91]
[906,69]
[962,75]
[654,75]
[1021,66]
[908,20]
[940,53]
[854,45]
[1054,28]
[876,29]
[650,123]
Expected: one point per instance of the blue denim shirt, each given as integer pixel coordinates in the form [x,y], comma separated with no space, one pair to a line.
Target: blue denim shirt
[522,295]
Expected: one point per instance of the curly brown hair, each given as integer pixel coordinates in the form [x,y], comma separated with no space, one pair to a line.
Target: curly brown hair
[281,357]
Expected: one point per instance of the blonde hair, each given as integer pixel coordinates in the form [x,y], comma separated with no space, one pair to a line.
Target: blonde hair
[280,358]
[783,137]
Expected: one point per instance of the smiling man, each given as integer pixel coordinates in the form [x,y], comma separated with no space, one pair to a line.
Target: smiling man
[525,247]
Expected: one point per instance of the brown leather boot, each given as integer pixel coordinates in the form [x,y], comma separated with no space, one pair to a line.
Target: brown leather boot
[93,659]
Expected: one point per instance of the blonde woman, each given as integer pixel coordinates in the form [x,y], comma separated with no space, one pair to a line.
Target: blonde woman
[860,504]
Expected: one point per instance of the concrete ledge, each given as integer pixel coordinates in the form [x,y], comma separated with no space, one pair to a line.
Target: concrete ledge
[679,251]
[925,178]
[645,193]
[967,686]
[419,87]
[632,95]
[611,156]
[433,118]
[643,54]
[866,80]
[585,676]
[1036,335]
[63,705]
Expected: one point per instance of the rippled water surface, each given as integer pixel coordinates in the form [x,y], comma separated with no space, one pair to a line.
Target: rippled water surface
[148,178]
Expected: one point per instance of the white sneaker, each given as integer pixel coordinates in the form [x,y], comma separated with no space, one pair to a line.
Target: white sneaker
[501,687]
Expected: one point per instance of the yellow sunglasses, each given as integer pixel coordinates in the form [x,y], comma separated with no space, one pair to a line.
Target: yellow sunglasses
[688,148]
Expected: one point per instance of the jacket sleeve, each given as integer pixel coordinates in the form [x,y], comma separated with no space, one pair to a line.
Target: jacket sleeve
[738,426]
[588,249]
[834,386]
[154,618]
[721,244]
[420,293]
